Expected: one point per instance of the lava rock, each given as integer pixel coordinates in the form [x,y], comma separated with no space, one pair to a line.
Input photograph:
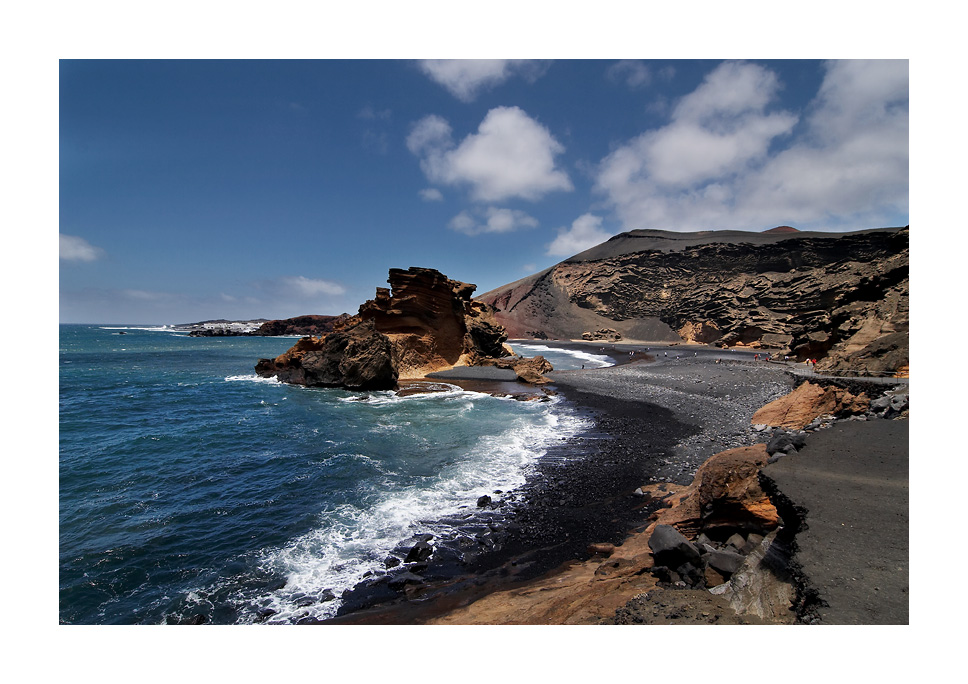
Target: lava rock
[726,562]
[671,548]
[421,551]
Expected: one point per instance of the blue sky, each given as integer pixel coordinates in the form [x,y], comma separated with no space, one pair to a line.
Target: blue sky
[192,190]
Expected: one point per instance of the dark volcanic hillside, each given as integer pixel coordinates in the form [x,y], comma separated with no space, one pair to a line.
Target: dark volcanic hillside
[839,297]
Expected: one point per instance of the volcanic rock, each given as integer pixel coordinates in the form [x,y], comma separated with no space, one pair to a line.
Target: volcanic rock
[603,334]
[840,298]
[724,497]
[807,402]
[423,323]
[301,325]
[359,358]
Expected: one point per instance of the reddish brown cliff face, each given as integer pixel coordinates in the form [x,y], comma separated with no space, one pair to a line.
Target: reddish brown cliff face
[840,298]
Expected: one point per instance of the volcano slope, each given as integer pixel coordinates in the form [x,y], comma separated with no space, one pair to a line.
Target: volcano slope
[839,298]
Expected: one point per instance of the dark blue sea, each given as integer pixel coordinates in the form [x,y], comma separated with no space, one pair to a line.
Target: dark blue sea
[192,489]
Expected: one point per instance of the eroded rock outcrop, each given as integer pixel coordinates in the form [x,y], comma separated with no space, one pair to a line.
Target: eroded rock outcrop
[807,402]
[840,298]
[602,334]
[424,322]
[724,498]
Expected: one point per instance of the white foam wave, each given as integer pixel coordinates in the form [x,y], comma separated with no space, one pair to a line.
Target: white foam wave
[273,380]
[438,392]
[352,540]
[154,328]
[596,360]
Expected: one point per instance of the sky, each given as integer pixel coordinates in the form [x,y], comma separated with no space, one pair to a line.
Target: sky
[201,189]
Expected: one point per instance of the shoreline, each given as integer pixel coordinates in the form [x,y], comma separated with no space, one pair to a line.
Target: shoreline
[652,422]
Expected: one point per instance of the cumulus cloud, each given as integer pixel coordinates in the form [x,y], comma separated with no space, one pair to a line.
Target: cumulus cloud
[492,220]
[74,248]
[726,160]
[431,195]
[585,232]
[510,155]
[466,78]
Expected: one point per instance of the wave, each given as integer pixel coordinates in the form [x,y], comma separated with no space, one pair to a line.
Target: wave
[353,540]
[429,392]
[273,380]
[597,360]
[149,328]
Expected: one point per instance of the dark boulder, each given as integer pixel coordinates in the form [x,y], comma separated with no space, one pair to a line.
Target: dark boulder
[786,441]
[421,551]
[726,562]
[671,548]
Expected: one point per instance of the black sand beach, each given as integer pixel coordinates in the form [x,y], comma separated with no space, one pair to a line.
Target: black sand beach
[659,413]
[657,418]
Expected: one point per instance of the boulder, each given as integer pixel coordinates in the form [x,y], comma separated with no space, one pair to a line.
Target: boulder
[420,551]
[725,497]
[786,442]
[671,549]
[725,562]
[807,402]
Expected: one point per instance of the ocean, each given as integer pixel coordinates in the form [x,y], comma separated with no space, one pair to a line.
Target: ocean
[191,490]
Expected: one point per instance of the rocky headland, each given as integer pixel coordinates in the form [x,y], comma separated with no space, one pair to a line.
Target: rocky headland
[422,324]
[310,324]
[838,298]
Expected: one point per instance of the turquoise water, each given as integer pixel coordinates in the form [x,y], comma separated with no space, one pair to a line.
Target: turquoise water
[190,488]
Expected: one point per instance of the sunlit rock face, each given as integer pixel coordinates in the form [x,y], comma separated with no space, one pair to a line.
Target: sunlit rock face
[838,298]
[424,322]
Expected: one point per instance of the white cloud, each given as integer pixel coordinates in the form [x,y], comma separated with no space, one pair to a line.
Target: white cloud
[429,135]
[492,220]
[633,72]
[466,78]
[311,287]
[585,232]
[431,195]
[726,161]
[511,155]
[74,248]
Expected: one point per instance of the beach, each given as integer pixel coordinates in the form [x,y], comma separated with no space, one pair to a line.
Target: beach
[659,413]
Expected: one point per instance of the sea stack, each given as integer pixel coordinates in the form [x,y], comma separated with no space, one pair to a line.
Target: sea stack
[423,323]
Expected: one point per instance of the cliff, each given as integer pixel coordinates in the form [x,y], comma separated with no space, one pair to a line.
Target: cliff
[424,322]
[840,298]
